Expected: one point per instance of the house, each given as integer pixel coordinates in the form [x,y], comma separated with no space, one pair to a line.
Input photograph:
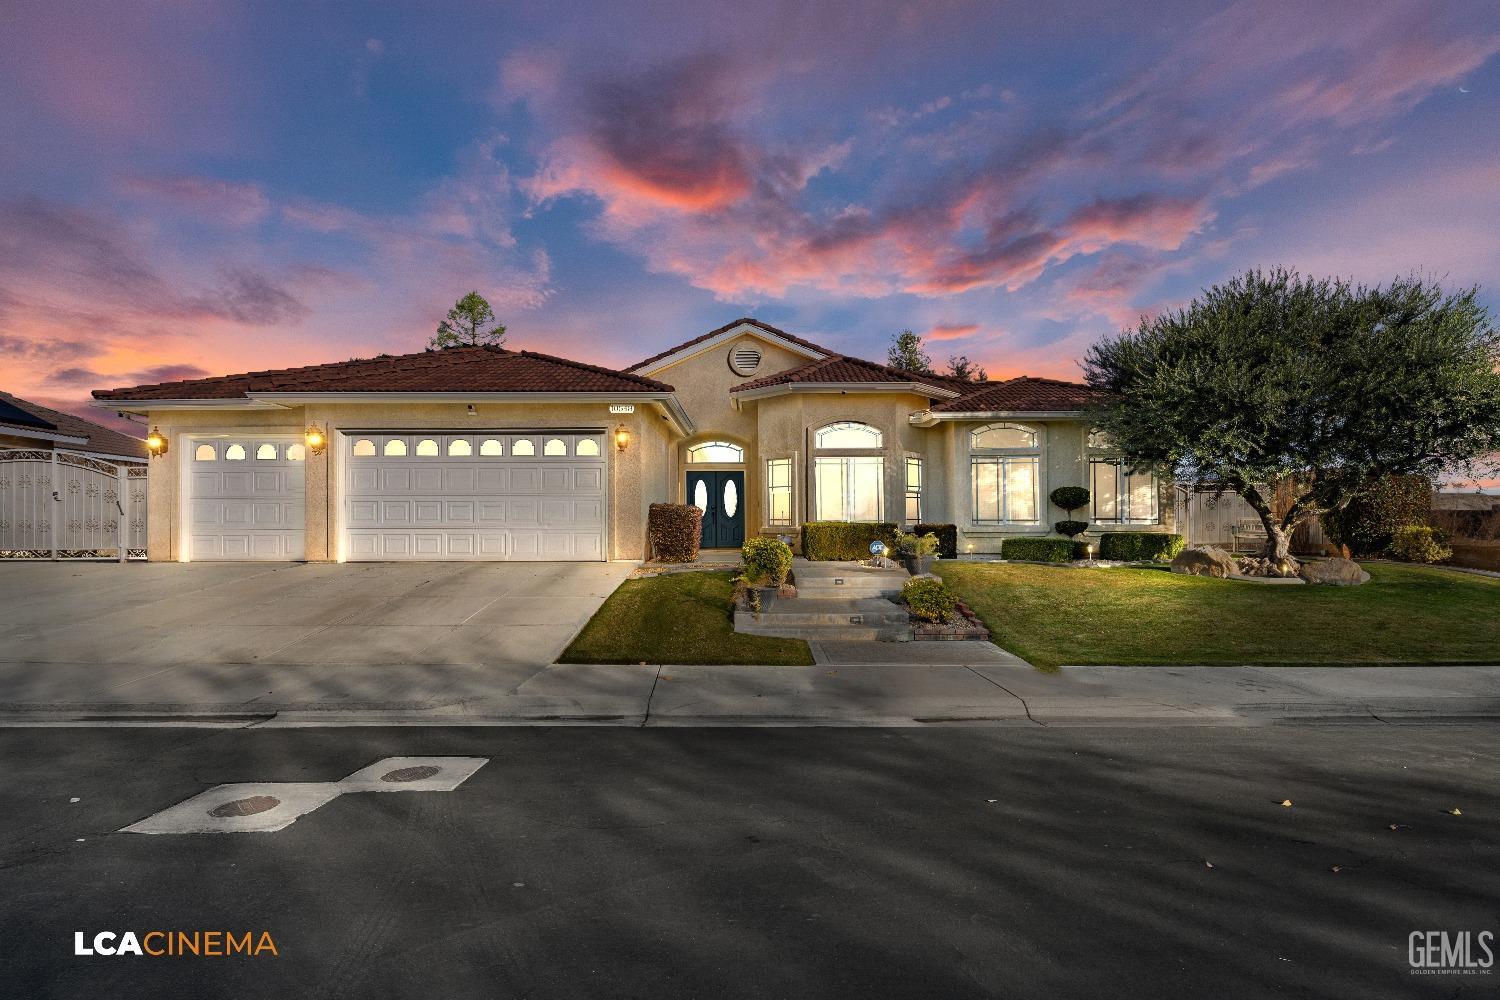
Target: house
[486,453]
[24,424]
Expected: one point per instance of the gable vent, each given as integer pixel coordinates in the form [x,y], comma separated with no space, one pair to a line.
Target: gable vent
[744,360]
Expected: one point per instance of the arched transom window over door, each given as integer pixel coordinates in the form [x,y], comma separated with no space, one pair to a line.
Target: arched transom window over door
[1005,462]
[849,486]
[715,451]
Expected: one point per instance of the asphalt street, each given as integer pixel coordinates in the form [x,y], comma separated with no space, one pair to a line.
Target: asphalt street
[862,863]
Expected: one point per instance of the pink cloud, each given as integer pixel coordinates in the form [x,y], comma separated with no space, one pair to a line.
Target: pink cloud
[209,199]
[941,332]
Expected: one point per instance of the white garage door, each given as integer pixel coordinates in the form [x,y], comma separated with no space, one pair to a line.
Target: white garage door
[502,495]
[247,498]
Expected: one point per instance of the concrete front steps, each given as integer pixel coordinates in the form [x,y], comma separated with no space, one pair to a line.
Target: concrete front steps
[834,601]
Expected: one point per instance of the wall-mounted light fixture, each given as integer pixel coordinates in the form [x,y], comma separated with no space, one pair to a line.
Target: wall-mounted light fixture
[156,442]
[622,437]
[315,438]
[473,412]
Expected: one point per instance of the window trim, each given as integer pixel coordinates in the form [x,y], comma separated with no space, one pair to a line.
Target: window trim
[718,443]
[1005,425]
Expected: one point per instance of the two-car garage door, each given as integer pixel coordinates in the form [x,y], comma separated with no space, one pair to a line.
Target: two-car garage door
[500,495]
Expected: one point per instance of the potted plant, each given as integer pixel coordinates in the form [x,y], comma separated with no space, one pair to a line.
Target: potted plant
[916,552]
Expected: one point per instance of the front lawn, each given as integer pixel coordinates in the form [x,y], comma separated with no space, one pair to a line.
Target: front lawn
[1405,615]
[677,618]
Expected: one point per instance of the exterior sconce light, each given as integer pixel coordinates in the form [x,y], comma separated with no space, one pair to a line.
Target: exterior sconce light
[473,412]
[316,439]
[622,437]
[156,442]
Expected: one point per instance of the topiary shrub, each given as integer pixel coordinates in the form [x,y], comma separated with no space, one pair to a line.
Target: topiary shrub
[947,536]
[1072,529]
[845,539]
[1369,523]
[1140,546]
[1419,543]
[1070,498]
[767,561]
[674,529]
[928,599]
[1044,549]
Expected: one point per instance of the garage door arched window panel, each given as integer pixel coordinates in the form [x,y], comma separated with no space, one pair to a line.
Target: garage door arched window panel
[205,453]
[491,447]
[394,448]
[427,448]
[555,447]
[234,453]
[587,448]
[296,452]
[266,452]
[523,447]
[460,448]
[715,451]
[364,448]
[847,435]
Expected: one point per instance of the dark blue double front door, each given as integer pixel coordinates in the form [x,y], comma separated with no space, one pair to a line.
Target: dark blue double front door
[721,495]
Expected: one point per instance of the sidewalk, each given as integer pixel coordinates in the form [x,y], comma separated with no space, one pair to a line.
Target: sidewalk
[960,683]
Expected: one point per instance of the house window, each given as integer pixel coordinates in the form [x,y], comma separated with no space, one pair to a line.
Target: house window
[1120,496]
[716,451]
[913,490]
[1005,470]
[848,434]
[779,491]
[849,487]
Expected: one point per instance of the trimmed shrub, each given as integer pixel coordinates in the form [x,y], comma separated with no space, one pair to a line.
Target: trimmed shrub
[675,530]
[1044,549]
[916,545]
[1419,543]
[947,536]
[1071,528]
[767,561]
[1140,546]
[928,599]
[845,539]
[1370,521]
[1069,498]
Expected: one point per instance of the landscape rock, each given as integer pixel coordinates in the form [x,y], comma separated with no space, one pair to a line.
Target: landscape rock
[1334,573]
[1204,560]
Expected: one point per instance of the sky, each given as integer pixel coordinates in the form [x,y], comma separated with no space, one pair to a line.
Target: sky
[191,188]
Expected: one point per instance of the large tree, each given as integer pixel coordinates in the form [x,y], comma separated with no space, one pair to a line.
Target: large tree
[1321,387]
[906,352]
[470,323]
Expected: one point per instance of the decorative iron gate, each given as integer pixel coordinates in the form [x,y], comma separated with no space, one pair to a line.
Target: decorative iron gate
[65,505]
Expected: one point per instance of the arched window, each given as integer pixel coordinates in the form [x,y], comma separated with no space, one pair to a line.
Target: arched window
[523,446]
[295,452]
[491,446]
[460,446]
[395,447]
[205,453]
[266,452]
[1100,440]
[716,451]
[994,436]
[848,434]
[587,448]
[427,448]
[364,448]
[555,446]
[234,453]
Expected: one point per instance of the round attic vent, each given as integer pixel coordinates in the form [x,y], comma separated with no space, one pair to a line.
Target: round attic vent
[744,360]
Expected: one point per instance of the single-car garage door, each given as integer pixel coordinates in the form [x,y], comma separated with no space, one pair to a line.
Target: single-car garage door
[499,495]
[247,498]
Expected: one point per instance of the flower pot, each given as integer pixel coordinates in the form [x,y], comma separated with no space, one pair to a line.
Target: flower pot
[917,565]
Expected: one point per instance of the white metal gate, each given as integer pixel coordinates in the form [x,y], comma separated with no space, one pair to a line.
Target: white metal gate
[66,505]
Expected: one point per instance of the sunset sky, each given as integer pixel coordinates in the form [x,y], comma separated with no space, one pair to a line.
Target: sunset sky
[211,187]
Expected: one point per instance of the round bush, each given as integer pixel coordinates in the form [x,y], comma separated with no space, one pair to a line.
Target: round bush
[767,561]
[928,599]
[1070,498]
[1418,543]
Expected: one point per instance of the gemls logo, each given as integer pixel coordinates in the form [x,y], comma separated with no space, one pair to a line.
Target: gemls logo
[177,944]
[1442,954]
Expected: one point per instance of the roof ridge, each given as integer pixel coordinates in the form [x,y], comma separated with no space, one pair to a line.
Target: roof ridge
[761,325]
[619,373]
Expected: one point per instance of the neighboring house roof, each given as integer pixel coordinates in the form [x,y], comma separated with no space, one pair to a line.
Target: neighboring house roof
[841,369]
[23,418]
[1023,393]
[767,328]
[452,369]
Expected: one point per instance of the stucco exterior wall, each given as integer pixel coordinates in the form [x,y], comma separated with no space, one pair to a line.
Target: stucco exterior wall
[637,475]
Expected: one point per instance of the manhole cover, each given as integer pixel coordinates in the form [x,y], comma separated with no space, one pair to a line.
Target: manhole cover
[410,773]
[244,807]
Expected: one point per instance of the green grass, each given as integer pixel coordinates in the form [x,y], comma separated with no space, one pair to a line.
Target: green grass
[677,618]
[1053,616]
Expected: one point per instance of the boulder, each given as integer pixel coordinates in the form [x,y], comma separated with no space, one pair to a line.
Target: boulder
[1333,573]
[1204,560]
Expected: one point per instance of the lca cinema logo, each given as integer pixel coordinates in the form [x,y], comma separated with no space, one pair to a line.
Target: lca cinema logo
[1450,953]
[175,944]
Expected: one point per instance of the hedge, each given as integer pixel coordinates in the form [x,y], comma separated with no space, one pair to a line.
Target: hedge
[767,561]
[675,529]
[1370,521]
[845,539]
[1043,549]
[1140,546]
[947,536]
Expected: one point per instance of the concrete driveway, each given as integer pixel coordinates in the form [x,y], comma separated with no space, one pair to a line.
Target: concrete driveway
[306,627]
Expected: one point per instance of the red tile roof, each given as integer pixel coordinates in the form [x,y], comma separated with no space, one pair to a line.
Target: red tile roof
[843,369]
[453,369]
[100,440]
[767,327]
[1022,393]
